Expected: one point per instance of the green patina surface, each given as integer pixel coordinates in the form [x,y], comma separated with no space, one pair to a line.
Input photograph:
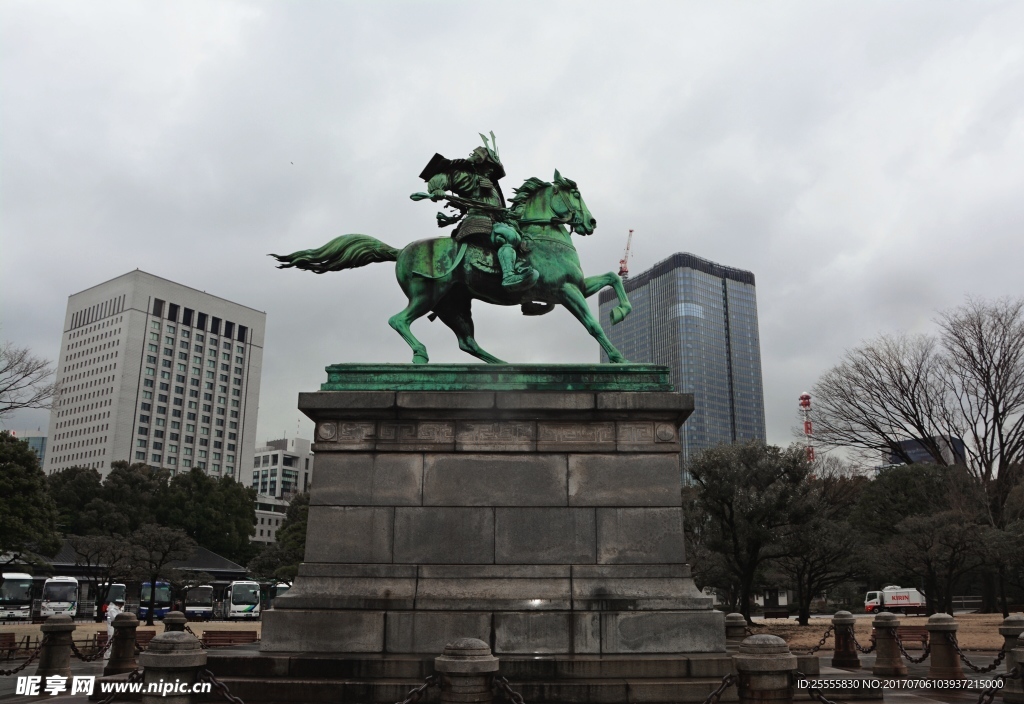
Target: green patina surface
[497,377]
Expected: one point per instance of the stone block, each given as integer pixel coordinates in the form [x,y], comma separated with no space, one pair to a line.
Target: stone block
[345,436]
[604,691]
[375,593]
[663,632]
[586,633]
[533,633]
[495,436]
[493,594]
[334,569]
[415,436]
[575,436]
[350,534]
[646,436]
[675,691]
[711,665]
[429,632]
[545,535]
[644,401]
[448,535]
[446,400]
[624,480]
[640,535]
[624,667]
[368,479]
[320,631]
[345,400]
[667,571]
[494,480]
[638,595]
[494,571]
[545,400]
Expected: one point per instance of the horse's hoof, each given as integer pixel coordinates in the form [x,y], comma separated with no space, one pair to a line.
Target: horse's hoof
[618,359]
[617,316]
[420,358]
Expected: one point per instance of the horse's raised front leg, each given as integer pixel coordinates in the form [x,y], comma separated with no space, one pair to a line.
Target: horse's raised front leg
[593,284]
[572,298]
[420,303]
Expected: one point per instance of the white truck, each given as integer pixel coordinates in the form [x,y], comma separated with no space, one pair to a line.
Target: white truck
[895,598]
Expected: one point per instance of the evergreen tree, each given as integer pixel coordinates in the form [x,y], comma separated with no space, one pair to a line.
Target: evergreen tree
[28,516]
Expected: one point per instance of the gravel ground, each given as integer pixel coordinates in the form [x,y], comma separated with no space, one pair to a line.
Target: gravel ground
[977,631]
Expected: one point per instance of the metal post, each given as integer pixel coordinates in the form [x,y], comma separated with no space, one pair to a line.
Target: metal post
[174,621]
[765,668]
[172,664]
[944,663]
[466,668]
[845,653]
[888,661]
[122,645]
[55,656]
[735,627]
[1013,646]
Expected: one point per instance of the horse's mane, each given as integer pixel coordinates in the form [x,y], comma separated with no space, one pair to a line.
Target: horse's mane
[525,192]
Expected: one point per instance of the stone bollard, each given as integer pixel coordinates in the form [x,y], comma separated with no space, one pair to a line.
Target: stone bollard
[735,627]
[888,660]
[466,668]
[845,654]
[944,663]
[173,661]
[122,645]
[55,656]
[174,621]
[1012,630]
[765,667]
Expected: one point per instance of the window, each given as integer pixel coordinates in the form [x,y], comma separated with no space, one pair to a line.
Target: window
[191,416]
[147,394]
[184,344]
[143,418]
[146,406]
[140,456]
[168,352]
[140,443]
[179,390]
[162,398]
[148,382]
[180,378]
[158,446]
[150,359]
[155,457]
[190,428]
[151,347]
[193,405]
[165,375]
[155,324]
[155,337]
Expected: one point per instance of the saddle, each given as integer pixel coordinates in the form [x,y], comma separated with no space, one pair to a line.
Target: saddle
[482,259]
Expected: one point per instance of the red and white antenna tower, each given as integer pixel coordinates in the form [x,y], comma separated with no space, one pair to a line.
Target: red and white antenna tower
[805,411]
[624,262]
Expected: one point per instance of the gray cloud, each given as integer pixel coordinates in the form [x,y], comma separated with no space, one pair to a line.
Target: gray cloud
[865,160]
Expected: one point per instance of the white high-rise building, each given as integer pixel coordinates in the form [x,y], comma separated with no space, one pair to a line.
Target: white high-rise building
[152,371]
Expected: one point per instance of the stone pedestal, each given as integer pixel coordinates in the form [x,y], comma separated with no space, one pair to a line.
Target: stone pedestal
[888,659]
[540,522]
[845,653]
[55,656]
[943,663]
[1011,630]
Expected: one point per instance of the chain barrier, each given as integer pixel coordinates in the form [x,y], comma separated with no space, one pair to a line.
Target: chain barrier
[194,635]
[501,686]
[747,631]
[917,661]
[219,687]
[417,693]
[860,648]
[989,694]
[824,639]
[966,661]
[134,677]
[727,681]
[87,658]
[28,661]
[812,691]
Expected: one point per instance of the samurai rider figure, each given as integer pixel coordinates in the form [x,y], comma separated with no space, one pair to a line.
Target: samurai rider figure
[484,217]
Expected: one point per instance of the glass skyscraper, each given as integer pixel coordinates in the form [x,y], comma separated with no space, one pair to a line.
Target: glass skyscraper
[700,319]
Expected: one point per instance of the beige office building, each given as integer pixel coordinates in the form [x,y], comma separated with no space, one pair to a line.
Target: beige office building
[156,372]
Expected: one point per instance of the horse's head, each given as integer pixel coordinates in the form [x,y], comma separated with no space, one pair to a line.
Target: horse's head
[567,202]
[560,202]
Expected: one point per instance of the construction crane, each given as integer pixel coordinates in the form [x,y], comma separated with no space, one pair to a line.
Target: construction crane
[624,262]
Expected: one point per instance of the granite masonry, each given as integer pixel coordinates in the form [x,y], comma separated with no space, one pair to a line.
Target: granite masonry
[541,522]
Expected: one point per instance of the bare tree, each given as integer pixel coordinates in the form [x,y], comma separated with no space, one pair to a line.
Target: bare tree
[24,380]
[965,384]
[103,559]
[154,548]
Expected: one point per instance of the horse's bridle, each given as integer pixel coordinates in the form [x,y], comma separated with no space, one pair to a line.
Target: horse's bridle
[574,217]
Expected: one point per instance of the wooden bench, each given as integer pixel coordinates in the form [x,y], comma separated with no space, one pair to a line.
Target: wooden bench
[216,639]
[910,634]
[8,645]
[142,639]
[776,613]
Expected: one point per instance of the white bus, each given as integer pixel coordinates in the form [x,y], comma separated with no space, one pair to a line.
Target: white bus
[16,595]
[60,596]
[199,603]
[242,600]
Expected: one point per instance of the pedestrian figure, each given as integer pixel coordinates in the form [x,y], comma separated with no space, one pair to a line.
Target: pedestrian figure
[112,611]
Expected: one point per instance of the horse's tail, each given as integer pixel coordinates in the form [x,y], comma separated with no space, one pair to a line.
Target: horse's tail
[345,252]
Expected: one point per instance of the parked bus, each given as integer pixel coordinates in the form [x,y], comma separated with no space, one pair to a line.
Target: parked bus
[114,592]
[161,603]
[243,600]
[60,596]
[199,603]
[16,595]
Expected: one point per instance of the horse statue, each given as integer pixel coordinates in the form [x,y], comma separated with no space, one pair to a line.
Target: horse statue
[441,277]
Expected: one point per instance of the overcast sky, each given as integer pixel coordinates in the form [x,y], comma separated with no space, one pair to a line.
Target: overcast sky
[864,159]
